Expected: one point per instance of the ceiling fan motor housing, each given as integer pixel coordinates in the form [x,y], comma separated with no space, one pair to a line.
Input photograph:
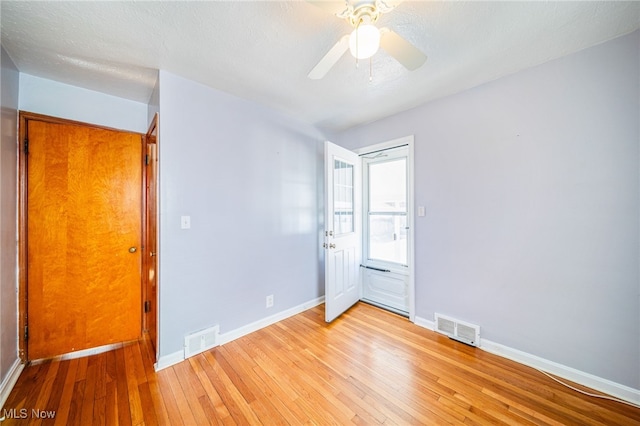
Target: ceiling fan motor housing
[364,11]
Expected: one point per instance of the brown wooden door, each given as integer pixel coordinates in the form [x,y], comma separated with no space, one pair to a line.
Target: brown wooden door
[150,265]
[83,237]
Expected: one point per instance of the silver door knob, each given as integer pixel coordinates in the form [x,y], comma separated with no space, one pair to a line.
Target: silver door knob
[332,245]
[132,249]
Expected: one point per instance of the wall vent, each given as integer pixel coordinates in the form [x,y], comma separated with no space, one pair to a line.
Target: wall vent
[201,341]
[458,330]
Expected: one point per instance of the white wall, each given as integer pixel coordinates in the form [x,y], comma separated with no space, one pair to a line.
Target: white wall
[531,187]
[49,97]
[248,178]
[154,103]
[8,219]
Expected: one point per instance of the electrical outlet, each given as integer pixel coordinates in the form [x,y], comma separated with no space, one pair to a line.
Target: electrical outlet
[270,301]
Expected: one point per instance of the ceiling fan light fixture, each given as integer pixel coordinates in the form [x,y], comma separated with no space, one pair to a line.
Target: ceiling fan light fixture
[364,41]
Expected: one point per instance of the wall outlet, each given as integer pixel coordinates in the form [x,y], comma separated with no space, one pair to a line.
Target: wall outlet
[270,301]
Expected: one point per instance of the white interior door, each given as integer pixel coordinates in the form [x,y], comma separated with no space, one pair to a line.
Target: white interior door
[343,229]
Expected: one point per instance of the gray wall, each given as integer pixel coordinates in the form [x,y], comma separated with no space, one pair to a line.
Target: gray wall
[8,221]
[531,187]
[247,176]
[49,97]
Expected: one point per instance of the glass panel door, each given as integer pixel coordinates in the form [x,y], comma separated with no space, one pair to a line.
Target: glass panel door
[387,210]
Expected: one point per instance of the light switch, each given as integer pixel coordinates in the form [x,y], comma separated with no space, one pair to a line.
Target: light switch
[420,211]
[185,222]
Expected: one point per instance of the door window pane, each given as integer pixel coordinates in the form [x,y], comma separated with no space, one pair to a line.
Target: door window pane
[388,186]
[343,197]
[387,225]
[388,238]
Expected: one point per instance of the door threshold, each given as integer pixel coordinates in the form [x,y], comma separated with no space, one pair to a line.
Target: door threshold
[83,352]
[386,307]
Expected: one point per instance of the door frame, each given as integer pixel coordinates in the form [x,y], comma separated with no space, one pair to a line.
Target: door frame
[23,118]
[154,126]
[409,142]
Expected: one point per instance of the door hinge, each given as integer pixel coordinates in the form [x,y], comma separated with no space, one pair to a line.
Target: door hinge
[26,333]
[146,160]
[147,306]
[26,145]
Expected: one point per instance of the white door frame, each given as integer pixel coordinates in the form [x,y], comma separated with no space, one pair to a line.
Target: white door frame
[409,142]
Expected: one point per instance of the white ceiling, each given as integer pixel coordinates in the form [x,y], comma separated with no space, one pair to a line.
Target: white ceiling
[263,50]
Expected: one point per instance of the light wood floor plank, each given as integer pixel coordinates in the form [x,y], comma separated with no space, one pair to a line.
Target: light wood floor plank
[266,400]
[367,367]
[186,414]
[199,363]
[192,390]
[173,412]
[232,396]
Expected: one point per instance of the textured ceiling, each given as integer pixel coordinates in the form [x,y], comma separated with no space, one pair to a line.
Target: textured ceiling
[263,50]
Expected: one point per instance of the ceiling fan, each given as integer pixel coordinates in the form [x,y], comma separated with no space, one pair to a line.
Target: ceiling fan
[366,38]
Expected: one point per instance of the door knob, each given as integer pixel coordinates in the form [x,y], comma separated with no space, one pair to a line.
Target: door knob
[153,253]
[332,245]
[132,249]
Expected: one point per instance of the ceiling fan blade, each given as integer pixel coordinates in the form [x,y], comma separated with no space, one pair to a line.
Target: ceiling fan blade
[403,51]
[330,59]
[385,6]
[335,7]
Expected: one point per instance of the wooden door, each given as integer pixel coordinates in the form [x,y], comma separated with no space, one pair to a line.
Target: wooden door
[150,264]
[83,195]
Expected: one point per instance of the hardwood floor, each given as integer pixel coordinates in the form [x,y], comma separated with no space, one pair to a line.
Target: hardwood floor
[368,367]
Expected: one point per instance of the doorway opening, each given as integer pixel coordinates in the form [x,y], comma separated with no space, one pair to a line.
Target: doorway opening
[385,278]
[80,247]
[371,259]
[388,226]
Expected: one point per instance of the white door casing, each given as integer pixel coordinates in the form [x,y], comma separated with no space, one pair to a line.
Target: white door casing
[386,231]
[343,229]
[398,283]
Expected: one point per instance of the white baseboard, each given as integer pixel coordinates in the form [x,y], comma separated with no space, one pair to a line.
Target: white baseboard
[169,360]
[586,379]
[255,326]
[176,357]
[10,381]
[617,390]
[425,323]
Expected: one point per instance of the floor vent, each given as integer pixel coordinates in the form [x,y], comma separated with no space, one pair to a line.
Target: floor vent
[201,341]
[458,330]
